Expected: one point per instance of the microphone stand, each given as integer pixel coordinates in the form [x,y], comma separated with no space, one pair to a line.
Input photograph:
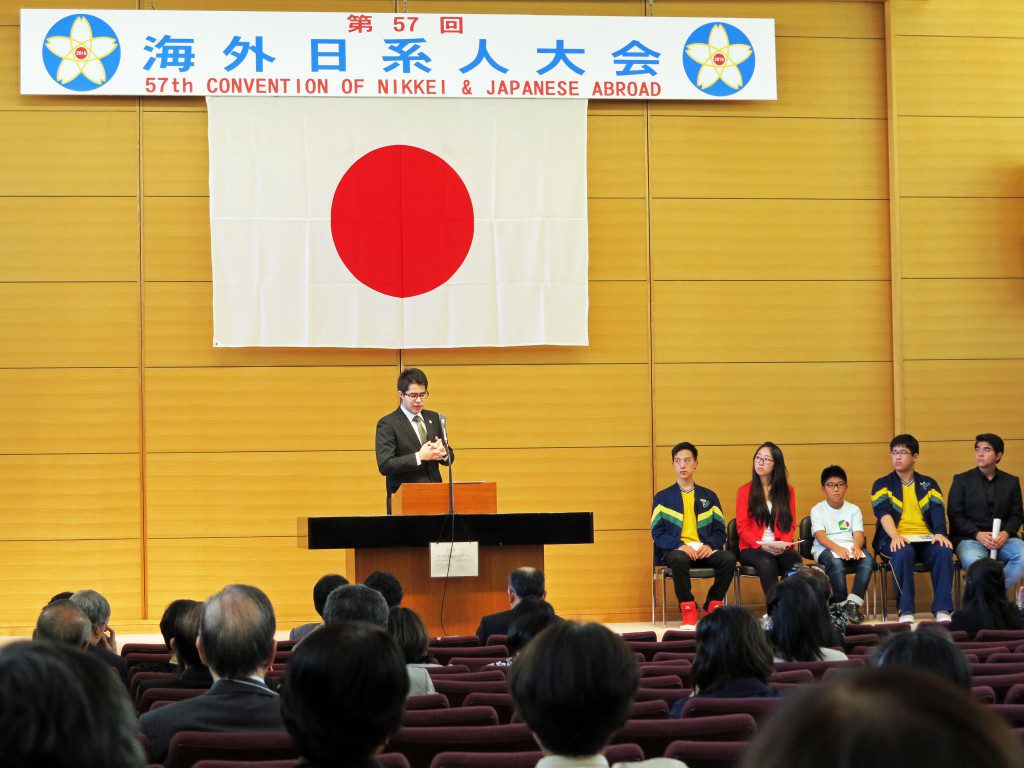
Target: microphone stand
[451,482]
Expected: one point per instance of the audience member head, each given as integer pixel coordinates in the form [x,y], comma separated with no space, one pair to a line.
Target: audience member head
[236,633]
[529,618]
[769,469]
[800,627]
[356,602]
[61,596]
[730,646]
[96,608]
[815,578]
[988,450]
[985,593]
[928,649]
[63,708]
[64,622]
[574,687]
[171,613]
[526,582]
[884,718]
[323,587]
[409,631]
[184,635]
[387,585]
[344,694]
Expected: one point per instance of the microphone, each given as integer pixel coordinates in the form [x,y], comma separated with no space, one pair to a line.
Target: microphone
[444,431]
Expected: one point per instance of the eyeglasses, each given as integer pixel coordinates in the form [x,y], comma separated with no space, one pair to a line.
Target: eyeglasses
[835,486]
[902,454]
[763,460]
[417,395]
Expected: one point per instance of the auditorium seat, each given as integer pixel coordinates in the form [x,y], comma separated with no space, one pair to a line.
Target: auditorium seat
[679,634]
[1015,695]
[654,736]
[445,654]
[669,656]
[792,676]
[983,694]
[156,648]
[854,641]
[676,668]
[475,664]
[455,641]
[647,636]
[286,645]
[154,695]
[1001,684]
[457,690]
[649,710]
[662,681]
[616,753]
[672,646]
[1012,713]
[1000,635]
[1005,658]
[451,669]
[501,703]
[138,677]
[707,754]
[134,659]
[388,760]
[757,708]
[993,668]
[189,747]
[497,640]
[427,701]
[455,716]
[421,745]
[668,695]
[817,668]
[483,676]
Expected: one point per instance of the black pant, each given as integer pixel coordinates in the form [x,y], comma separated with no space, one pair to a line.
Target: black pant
[770,568]
[722,561]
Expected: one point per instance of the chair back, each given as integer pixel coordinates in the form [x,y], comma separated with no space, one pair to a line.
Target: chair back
[455,641]
[444,654]
[1015,695]
[792,676]
[805,547]
[654,736]
[458,690]
[427,701]
[817,668]
[497,640]
[649,710]
[455,716]
[648,636]
[501,703]
[1012,713]
[134,659]
[732,538]
[1000,684]
[138,677]
[451,669]
[668,695]
[759,708]
[475,663]
[994,668]
[616,753]
[153,695]
[983,694]
[158,648]
[189,747]
[679,634]
[483,676]
[1000,635]
[672,656]
[672,646]
[707,754]
[421,745]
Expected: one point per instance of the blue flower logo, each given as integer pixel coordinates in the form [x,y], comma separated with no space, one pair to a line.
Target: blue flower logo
[718,59]
[81,52]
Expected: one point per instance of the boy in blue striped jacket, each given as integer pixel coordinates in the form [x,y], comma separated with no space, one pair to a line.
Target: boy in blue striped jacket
[688,529]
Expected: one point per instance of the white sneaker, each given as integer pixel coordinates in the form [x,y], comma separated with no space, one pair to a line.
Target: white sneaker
[943,616]
[906,618]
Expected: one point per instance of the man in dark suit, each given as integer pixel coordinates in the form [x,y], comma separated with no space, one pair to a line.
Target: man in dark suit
[103,641]
[523,583]
[236,641]
[976,498]
[408,443]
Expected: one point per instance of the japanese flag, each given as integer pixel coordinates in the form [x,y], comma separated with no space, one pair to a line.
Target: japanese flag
[399,223]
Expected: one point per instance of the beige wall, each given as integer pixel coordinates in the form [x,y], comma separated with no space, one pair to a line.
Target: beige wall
[742,259]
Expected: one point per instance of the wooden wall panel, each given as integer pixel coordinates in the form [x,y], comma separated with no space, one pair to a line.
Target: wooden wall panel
[616,161]
[973,18]
[265,409]
[857,64]
[619,333]
[771,321]
[72,410]
[54,153]
[613,483]
[69,324]
[618,239]
[176,238]
[769,239]
[610,578]
[47,238]
[785,402]
[952,76]
[9,9]
[961,157]
[962,237]
[705,158]
[956,319]
[944,459]
[382,6]
[957,399]
[257,494]
[793,18]
[576,8]
[175,158]
[196,568]
[51,498]
[550,406]
[179,332]
[34,571]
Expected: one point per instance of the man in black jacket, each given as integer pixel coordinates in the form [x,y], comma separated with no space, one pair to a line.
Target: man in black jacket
[979,496]
[236,641]
[522,584]
[408,442]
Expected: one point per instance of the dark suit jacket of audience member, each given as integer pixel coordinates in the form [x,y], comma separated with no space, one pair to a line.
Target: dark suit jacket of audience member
[230,705]
[497,624]
[113,659]
[193,677]
[301,631]
[744,688]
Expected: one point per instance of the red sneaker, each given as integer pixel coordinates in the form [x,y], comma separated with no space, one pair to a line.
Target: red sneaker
[714,605]
[690,615]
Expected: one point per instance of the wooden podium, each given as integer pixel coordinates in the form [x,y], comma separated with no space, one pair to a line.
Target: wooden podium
[400,543]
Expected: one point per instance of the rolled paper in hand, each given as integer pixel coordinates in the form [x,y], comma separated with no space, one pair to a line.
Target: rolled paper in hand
[997,524]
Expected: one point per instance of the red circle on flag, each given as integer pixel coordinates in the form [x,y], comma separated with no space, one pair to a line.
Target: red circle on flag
[402,220]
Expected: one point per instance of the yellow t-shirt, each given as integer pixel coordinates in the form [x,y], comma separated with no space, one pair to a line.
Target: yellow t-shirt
[912,521]
[689,532]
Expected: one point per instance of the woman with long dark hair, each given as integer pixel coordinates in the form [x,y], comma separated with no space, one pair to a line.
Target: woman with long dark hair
[985,604]
[765,517]
[798,625]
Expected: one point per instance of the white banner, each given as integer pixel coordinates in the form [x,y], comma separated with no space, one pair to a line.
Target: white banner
[217,53]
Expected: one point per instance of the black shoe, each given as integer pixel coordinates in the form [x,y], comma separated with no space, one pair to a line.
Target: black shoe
[853,613]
